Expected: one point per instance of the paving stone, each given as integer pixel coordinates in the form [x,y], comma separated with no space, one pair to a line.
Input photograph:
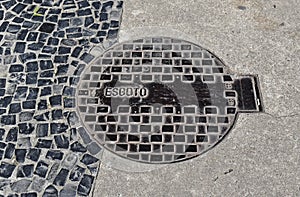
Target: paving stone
[73,119]
[77,147]
[20,47]
[61,58]
[1,154]
[1,14]
[62,80]
[13,195]
[33,93]
[42,130]
[31,78]
[47,74]
[41,169]
[6,169]
[9,151]
[69,102]
[47,27]
[93,169]
[24,142]
[4,184]
[42,143]
[61,141]
[13,28]
[12,135]
[54,154]
[94,148]
[33,154]
[35,46]
[16,78]
[42,105]
[20,155]
[8,120]
[85,185]
[29,194]
[84,135]
[76,51]
[69,91]
[37,184]
[53,41]
[88,159]
[64,50]
[10,88]
[70,160]
[26,128]
[2,145]
[61,178]
[25,116]
[56,100]
[50,191]
[2,83]
[19,7]
[53,170]
[2,111]
[28,104]
[45,82]
[25,171]
[2,132]
[21,93]
[21,185]
[18,20]
[4,102]
[68,191]
[42,117]
[57,128]
[76,173]
[57,114]
[27,56]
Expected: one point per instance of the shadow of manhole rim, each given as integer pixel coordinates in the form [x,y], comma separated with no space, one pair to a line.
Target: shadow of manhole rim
[133,99]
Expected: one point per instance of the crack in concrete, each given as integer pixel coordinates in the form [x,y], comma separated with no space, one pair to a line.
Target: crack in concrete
[283,116]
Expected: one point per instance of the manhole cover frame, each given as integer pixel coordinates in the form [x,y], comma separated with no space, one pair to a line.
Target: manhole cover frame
[226,71]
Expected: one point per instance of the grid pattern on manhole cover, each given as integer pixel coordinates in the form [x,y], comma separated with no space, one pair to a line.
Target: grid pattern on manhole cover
[157,100]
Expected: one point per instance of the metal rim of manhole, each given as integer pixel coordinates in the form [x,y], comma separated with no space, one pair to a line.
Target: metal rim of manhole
[162,100]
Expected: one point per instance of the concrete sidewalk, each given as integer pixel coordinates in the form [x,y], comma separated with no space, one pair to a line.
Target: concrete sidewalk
[260,156]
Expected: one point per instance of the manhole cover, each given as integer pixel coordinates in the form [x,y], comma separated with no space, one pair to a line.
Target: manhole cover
[162,100]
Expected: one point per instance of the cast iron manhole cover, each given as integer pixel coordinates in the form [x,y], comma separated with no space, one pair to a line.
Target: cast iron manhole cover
[162,100]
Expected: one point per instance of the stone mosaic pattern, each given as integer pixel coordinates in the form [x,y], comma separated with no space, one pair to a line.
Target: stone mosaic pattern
[44,47]
[190,105]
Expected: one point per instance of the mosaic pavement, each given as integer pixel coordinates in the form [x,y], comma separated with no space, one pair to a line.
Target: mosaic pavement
[153,100]
[44,47]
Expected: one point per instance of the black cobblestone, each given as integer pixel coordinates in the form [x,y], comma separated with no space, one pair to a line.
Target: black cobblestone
[12,135]
[33,154]
[61,178]
[20,155]
[25,171]
[76,173]
[54,154]
[85,185]
[6,169]
[41,169]
[77,147]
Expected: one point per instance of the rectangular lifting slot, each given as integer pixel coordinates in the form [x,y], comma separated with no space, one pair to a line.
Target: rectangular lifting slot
[249,99]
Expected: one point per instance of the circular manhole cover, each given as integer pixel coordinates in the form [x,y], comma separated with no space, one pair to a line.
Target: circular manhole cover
[157,100]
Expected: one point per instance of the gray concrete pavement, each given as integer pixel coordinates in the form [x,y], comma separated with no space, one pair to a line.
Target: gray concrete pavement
[260,156]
